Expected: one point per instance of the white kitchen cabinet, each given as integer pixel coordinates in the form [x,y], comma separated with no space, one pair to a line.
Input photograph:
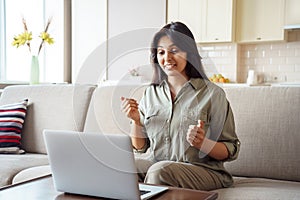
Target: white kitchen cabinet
[217,20]
[209,20]
[188,12]
[260,20]
[292,13]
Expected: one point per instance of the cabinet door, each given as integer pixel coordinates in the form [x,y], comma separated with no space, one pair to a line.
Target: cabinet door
[292,12]
[209,20]
[260,20]
[217,23]
[188,12]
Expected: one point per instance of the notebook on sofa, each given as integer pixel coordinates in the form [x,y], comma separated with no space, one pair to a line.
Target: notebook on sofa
[95,164]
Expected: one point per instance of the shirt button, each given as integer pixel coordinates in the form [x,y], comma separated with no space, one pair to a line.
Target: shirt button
[168,121]
[167,140]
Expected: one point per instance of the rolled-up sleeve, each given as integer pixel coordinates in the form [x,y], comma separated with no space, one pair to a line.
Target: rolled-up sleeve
[229,136]
[233,150]
[222,125]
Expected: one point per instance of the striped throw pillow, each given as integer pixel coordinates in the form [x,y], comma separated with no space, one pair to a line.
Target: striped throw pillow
[12,118]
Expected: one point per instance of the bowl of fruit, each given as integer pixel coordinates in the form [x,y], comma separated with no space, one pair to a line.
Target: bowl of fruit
[219,78]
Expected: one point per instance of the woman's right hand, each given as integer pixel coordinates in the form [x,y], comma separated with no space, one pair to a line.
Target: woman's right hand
[130,108]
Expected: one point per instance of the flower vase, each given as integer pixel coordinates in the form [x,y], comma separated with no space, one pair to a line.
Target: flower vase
[34,70]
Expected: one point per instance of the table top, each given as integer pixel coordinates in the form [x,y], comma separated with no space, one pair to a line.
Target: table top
[43,188]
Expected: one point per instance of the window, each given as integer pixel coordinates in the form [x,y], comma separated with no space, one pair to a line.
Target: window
[15,62]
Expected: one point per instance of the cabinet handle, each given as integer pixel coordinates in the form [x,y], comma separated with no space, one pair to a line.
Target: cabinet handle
[258,38]
[216,38]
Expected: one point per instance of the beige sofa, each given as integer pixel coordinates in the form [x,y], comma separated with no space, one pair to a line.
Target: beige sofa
[50,106]
[267,123]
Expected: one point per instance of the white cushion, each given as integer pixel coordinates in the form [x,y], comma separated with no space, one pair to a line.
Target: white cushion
[50,107]
[267,123]
[104,114]
[12,164]
[260,188]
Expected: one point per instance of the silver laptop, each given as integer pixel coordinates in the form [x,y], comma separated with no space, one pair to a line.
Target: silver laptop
[95,164]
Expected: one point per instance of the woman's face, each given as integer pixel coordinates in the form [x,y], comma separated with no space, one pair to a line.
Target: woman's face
[170,58]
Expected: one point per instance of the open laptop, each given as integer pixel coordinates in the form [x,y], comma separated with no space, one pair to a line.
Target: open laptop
[95,164]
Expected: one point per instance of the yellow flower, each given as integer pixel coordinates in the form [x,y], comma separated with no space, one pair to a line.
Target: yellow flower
[26,37]
[22,39]
[46,37]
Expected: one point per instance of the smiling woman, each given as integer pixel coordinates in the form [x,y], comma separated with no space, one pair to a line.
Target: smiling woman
[36,13]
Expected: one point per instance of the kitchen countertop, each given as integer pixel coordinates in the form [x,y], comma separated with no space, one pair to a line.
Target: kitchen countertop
[223,85]
[283,84]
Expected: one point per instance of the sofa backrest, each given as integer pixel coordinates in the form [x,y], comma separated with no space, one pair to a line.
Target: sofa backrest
[104,113]
[268,124]
[51,106]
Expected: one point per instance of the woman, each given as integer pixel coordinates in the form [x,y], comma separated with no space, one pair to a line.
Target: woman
[183,122]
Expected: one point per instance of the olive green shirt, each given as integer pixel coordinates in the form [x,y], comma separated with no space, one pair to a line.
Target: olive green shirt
[165,122]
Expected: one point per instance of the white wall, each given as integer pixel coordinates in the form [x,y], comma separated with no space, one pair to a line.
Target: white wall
[133,24]
[89,21]
[126,26]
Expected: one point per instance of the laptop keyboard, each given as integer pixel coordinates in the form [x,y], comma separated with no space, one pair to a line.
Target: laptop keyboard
[142,192]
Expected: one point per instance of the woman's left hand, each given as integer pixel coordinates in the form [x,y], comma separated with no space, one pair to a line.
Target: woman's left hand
[196,135]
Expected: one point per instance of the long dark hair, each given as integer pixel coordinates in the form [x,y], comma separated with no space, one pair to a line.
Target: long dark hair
[183,38]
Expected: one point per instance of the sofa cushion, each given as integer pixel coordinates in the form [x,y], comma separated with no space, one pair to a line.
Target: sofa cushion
[260,188]
[267,123]
[52,106]
[12,164]
[12,117]
[104,114]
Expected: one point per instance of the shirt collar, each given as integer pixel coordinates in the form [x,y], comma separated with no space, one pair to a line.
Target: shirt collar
[162,83]
[196,83]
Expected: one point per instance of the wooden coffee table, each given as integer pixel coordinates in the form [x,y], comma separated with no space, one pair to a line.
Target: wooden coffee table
[43,188]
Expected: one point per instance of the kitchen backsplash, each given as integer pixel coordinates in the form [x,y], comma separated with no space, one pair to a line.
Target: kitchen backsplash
[220,59]
[272,61]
